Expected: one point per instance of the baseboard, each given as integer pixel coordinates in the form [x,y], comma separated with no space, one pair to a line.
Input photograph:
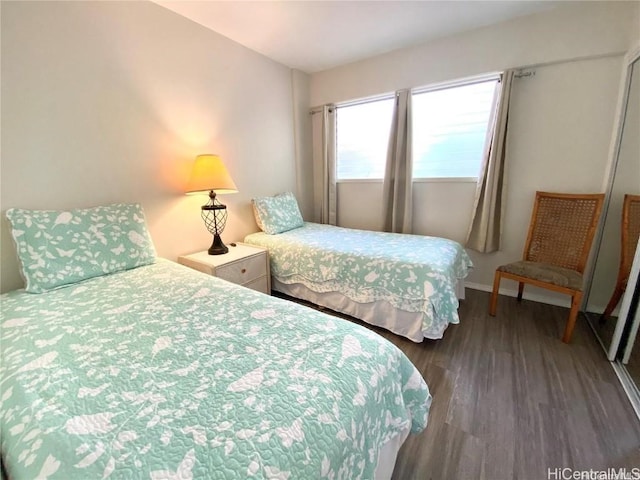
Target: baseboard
[534,297]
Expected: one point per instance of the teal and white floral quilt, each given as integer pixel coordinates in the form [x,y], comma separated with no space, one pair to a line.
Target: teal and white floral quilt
[414,273]
[162,372]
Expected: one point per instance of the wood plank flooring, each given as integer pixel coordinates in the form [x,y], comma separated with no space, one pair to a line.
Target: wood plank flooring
[510,400]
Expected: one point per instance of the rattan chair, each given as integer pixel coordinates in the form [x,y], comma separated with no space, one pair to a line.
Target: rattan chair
[557,247]
[630,234]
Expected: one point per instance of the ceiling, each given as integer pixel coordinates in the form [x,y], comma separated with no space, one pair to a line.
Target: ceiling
[317,35]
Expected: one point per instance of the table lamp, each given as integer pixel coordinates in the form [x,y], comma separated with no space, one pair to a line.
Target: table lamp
[210,175]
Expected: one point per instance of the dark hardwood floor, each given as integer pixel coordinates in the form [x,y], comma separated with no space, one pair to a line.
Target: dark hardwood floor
[511,401]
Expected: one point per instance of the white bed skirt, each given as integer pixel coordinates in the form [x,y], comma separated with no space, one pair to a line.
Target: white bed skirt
[380,313]
[388,454]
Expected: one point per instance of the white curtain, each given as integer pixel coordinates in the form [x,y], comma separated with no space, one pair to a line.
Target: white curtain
[485,229]
[324,165]
[397,187]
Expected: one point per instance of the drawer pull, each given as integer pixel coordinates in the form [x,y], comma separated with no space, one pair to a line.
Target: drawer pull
[244,270]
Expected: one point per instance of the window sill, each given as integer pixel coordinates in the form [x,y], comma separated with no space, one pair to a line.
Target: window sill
[415,180]
[446,180]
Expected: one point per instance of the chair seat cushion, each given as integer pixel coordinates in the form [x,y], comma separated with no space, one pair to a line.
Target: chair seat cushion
[562,277]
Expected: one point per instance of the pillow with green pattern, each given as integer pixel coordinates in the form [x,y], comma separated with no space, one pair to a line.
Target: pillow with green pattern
[277,214]
[58,248]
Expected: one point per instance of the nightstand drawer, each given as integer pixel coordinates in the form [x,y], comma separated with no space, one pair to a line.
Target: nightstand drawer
[243,271]
[261,285]
[245,265]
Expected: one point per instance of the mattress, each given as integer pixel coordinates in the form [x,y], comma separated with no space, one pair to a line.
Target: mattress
[411,273]
[165,372]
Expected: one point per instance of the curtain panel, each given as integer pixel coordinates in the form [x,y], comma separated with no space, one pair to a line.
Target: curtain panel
[324,165]
[398,183]
[485,229]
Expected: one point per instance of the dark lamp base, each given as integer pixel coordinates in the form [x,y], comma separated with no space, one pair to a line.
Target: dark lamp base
[217,247]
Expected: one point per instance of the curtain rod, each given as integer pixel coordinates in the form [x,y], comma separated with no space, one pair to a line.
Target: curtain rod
[570,60]
[524,71]
[529,70]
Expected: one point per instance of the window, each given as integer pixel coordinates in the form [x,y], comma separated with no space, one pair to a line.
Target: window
[362,137]
[449,132]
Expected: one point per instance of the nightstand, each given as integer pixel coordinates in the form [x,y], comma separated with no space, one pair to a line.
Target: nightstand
[244,264]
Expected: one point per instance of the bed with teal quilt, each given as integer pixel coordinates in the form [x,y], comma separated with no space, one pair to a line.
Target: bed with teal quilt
[125,366]
[408,284]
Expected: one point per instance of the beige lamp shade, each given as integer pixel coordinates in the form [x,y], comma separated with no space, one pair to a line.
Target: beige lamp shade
[209,173]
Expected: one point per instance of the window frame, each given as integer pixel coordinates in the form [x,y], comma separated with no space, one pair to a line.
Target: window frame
[497,76]
[354,103]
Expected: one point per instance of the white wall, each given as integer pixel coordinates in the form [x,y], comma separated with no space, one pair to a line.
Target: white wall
[111,101]
[576,30]
[560,125]
[303,142]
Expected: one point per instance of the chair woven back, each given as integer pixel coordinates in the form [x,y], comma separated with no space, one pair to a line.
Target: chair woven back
[562,229]
[630,232]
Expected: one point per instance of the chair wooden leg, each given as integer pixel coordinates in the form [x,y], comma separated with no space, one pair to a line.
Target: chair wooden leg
[573,315]
[520,290]
[493,305]
[615,298]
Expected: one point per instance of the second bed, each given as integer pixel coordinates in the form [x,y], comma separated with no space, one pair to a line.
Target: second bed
[408,284]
